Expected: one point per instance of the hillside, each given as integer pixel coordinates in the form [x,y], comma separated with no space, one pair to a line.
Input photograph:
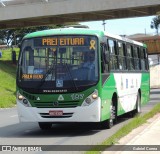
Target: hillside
[7,80]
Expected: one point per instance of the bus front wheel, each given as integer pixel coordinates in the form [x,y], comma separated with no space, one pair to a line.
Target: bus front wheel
[45,125]
[113,117]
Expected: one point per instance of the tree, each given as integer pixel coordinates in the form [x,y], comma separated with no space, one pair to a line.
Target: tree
[14,36]
[155,23]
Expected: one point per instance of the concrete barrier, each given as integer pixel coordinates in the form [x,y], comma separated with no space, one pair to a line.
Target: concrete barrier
[155,76]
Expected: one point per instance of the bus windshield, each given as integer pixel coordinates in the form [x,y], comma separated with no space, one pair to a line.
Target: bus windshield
[58,62]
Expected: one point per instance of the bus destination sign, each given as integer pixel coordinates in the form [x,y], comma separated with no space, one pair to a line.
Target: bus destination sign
[64,41]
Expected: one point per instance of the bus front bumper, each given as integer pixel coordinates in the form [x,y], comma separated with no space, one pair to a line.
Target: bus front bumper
[91,113]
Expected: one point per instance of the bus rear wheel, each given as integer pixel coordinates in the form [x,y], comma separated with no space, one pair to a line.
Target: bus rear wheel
[45,125]
[138,104]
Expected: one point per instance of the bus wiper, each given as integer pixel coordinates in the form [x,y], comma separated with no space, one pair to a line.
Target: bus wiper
[46,75]
[71,77]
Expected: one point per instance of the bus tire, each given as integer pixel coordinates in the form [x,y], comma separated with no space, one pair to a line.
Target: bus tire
[45,125]
[138,104]
[113,117]
[138,107]
[107,124]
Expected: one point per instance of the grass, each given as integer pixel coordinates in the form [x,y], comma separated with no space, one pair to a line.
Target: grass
[7,80]
[7,54]
[126,129]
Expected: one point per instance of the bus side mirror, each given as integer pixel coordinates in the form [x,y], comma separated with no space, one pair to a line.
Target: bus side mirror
[19,45]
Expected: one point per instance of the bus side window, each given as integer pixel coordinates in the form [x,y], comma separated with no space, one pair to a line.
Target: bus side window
[130,62]
[113,55]
[121,56]
[146,59]
[136,59]
[142,58]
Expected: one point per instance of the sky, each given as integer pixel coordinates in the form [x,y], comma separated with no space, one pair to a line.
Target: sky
[127,26]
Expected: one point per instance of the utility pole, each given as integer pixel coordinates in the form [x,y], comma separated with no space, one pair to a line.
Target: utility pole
[104,23]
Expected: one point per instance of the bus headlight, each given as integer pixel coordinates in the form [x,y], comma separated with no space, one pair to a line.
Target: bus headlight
[95,95]
[90,99]
[23,100]
[20,97]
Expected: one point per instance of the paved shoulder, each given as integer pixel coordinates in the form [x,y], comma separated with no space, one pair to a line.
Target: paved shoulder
[144,139]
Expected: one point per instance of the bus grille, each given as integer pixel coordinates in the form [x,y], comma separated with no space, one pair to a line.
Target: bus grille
[64,104]
[65,115]
[29,96]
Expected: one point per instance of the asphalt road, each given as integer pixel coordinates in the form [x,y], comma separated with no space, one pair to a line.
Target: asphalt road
[14,133]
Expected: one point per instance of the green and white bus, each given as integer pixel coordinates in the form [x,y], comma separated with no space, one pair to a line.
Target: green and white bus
[56,85]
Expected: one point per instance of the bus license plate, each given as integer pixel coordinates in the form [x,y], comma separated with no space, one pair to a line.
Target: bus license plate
[55,113]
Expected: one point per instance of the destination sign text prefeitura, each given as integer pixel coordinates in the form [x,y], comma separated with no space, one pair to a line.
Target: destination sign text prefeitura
[61,41]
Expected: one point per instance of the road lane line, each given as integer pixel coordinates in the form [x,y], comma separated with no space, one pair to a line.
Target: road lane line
[14,116]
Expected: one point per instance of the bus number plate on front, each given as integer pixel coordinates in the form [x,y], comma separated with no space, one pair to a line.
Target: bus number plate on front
[56,113]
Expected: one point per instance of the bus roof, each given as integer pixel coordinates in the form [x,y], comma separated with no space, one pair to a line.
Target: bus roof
[65,31]
[80,31]
[124,39]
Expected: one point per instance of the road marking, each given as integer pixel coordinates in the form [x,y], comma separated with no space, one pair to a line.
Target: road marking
[14,116]
[27,131]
